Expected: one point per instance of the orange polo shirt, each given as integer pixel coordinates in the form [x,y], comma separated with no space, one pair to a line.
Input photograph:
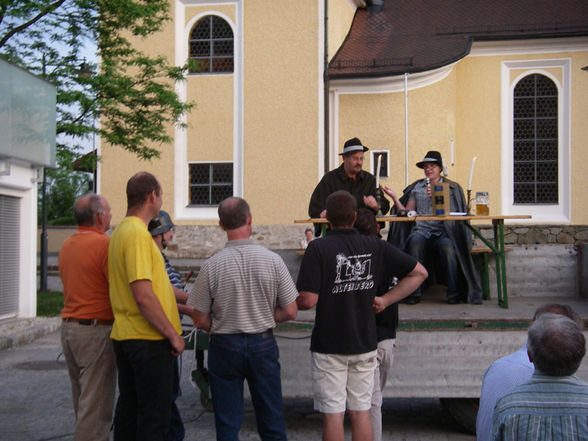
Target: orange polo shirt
[83,267]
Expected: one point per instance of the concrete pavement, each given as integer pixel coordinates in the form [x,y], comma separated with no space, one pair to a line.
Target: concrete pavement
[36,403]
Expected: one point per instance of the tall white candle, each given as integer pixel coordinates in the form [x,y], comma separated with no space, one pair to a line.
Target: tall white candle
[377,171]
[471,173]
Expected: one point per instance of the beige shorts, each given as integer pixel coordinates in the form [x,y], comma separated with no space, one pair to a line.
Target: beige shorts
[342,382]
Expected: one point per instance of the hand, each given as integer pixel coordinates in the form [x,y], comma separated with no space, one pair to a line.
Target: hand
[429,190]
[388,191]
[379,305]
[178,344]
[370,202]
[323,214]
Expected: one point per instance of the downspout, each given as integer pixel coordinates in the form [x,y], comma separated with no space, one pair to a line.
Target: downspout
[406,129]
[326,89]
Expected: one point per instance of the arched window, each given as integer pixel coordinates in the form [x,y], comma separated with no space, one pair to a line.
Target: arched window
[535,141]
[211,45]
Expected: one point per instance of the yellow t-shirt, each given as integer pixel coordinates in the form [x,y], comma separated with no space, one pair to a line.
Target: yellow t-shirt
[133,255]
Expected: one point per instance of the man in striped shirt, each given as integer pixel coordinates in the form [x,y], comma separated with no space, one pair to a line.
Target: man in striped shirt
[239,296]
[553,405]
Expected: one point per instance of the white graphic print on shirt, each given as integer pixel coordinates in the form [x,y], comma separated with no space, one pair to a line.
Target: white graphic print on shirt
[354,273]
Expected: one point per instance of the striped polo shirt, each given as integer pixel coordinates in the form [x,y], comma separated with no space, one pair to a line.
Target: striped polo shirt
[545,408]
[241,286]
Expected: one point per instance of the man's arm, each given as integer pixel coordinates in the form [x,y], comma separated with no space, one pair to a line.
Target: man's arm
[151,309]
[284,313]
[202,320]
[306,300]
[403,289]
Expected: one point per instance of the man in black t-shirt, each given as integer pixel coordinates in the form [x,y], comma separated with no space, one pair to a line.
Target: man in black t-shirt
[341,274]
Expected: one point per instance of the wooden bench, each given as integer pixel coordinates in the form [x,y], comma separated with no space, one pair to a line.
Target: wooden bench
[483,267]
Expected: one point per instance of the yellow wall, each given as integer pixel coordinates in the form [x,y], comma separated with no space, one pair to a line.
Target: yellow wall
[340,16]
[378,120]
[465,106]
[281,114]
[281,123]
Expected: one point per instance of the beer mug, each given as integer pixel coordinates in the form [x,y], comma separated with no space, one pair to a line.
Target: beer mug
[482,201]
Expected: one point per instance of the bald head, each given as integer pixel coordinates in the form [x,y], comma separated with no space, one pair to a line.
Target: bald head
[92,210]
[233,213]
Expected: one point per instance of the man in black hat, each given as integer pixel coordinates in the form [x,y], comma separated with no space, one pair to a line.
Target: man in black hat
[348,176]
[450,241]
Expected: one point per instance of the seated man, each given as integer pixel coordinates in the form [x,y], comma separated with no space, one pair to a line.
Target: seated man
[348,176]
[512,370]
[450,240]
[553,405]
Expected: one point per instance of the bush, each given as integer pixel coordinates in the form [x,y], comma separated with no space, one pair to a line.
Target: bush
[65,220]
[49,304]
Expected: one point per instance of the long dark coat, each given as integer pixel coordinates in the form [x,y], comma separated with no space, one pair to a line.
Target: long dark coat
[457,231]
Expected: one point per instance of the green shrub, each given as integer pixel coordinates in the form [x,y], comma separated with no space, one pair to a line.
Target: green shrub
[49,304]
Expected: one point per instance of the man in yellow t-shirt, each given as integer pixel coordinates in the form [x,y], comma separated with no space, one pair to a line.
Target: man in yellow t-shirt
[146,330]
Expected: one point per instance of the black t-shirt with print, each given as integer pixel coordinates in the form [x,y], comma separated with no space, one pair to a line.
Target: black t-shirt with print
[346,270]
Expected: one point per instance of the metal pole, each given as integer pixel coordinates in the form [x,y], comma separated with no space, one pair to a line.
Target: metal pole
[44,235]
[326,89]
[406,129]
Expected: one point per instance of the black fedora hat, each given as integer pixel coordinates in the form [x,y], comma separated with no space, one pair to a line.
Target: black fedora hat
[352,146]
[432,156]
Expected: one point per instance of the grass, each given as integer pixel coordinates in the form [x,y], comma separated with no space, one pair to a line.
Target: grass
[49,304]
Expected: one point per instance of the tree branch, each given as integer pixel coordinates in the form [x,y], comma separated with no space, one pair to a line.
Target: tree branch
[32,21]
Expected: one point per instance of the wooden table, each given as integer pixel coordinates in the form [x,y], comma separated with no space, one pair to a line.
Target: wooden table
[497,245]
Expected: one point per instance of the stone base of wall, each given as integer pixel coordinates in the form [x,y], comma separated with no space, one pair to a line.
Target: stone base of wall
[202,241]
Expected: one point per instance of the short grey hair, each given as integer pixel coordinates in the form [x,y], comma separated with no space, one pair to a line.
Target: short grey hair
[86,208]
[556,345]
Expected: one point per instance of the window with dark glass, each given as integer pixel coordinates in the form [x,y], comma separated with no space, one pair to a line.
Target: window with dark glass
[211,45]
[210,183]
[535,138]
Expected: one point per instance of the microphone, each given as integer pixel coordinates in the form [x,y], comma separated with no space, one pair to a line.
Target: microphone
[428,181]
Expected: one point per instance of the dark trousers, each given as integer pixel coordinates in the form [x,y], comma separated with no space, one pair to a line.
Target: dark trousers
[418,246]
[234,358]
[145,383]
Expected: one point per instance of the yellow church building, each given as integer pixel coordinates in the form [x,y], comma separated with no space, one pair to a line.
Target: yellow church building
[281,85]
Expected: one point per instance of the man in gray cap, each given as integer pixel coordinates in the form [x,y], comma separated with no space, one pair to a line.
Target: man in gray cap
[348,176]
[451,241]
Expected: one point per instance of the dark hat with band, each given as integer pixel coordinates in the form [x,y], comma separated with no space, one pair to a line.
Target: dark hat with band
[353,145]
[432,157]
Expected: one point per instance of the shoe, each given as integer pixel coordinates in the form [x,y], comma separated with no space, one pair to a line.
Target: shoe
[476,302]
[453,300]
[412,300]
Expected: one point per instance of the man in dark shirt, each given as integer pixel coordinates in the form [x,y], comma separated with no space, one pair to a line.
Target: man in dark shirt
[348,176]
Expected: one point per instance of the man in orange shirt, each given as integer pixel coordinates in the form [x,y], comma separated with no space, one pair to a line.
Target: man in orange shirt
[87,319]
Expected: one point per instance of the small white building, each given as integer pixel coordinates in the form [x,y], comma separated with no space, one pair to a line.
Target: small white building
[27,144]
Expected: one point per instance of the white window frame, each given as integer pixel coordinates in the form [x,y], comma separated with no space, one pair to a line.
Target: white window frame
[182,29]
[541,213]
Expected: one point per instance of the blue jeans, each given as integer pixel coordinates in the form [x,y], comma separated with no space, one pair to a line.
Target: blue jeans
[419,246]
[232,358]
[145,383]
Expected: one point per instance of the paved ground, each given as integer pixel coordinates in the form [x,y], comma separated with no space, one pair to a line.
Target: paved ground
[36,404]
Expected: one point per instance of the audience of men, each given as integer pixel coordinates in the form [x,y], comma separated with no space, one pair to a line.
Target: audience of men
[87,319]
[450,241]
[340,275]
[239,296]
[386,324]
[512,370]
[348,176]
[146,330]
[553,404]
